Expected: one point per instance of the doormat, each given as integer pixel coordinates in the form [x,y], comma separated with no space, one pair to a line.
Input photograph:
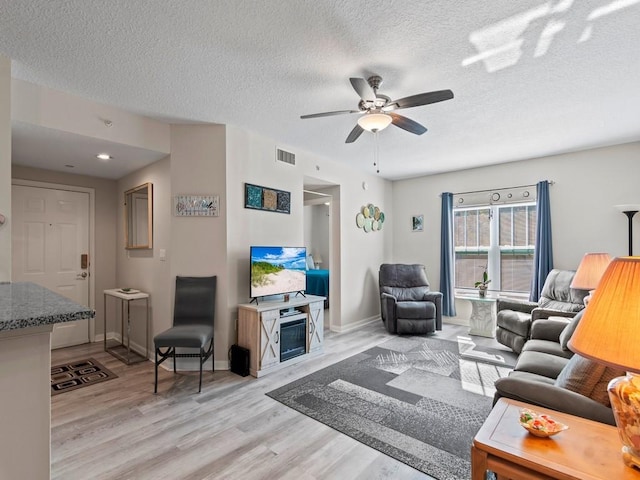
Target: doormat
[78,374]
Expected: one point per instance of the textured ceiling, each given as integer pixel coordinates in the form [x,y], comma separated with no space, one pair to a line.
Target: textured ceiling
[530,78]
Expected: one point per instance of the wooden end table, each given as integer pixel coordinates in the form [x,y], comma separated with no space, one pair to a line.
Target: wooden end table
[588,450]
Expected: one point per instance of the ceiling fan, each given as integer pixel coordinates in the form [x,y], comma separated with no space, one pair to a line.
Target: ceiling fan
[377,110]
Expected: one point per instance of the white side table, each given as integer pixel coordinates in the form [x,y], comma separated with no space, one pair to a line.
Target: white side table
[118,349]
[482,321]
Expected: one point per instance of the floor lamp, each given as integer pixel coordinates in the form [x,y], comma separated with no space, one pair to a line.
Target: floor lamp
[629,211]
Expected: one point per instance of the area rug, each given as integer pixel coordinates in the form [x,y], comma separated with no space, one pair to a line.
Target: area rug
[78,374]
[419,400]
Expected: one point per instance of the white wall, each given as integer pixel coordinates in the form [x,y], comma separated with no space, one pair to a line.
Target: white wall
[587,186]
[356,255]
[143,269]
[199,245]
[316,232]
[5,168]
[38,105]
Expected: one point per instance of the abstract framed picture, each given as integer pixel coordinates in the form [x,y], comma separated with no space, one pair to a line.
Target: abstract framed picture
[417,223]
[268,199]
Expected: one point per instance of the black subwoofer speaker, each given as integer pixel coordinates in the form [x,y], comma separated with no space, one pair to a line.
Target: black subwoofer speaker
[239,358]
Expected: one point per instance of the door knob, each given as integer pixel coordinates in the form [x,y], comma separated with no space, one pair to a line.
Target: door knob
[82,275]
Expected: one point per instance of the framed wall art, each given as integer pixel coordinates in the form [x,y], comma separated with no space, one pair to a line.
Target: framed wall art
[196,205]
[417,223]
[257,197]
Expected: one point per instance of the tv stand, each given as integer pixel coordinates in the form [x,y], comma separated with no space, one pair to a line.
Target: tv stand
[259,330]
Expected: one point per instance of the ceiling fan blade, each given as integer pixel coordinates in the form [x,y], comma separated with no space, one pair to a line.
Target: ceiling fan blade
[407,124]
[362,88]
[420,99]
[354,134]
[328,114]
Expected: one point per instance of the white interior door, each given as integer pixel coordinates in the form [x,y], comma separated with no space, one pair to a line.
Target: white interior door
[50,237]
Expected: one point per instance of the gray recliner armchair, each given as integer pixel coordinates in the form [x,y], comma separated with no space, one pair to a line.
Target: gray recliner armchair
[407,304]
[557,299]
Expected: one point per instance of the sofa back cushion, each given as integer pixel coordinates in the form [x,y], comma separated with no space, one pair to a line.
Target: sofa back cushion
[587,378]
[407,283]
[557,293]
[566,334]
[402,275]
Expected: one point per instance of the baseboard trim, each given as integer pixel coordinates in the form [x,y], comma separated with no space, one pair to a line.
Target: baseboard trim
[358,324]
[183,364]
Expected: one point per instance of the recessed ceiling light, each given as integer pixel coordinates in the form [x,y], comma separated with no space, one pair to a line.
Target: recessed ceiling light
[104,156]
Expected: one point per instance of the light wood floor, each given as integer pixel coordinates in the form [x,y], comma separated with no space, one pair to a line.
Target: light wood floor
[120,430]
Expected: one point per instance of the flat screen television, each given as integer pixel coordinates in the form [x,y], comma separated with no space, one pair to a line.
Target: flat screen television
[278,270]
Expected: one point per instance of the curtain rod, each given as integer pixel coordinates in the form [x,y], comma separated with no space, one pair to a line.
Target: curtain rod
[551,182]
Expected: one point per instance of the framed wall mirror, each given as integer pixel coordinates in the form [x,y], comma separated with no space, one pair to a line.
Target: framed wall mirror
[138,217]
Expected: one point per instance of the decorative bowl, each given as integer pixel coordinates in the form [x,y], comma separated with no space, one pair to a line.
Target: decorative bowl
[540,424]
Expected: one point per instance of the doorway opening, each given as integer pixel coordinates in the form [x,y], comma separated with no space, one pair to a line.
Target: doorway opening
[322,239]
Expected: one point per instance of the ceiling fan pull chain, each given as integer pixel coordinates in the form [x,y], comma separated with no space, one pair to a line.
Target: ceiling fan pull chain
[376,154]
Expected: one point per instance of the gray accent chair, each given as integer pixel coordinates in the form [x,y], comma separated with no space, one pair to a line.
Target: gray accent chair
[545,358]
[407,304]
[558,299]
[193,319]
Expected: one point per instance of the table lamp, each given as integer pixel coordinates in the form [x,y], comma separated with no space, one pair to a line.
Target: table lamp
[317,259]
[608,333]
[590,272]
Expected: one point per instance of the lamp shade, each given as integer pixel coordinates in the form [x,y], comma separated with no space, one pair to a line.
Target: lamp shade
[610,326]
[590,270]
[374,122]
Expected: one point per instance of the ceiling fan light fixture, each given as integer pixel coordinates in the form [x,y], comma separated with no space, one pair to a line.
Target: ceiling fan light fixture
[374,122]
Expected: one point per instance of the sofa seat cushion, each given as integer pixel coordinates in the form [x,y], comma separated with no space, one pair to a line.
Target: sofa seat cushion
[514,321]
[541,363]
[416,327]
[415,310]
[587,378]
[547,346]
[187,336]
[534,377]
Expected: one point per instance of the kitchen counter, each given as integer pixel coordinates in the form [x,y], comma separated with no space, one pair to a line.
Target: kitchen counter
[25,304]
[28,313]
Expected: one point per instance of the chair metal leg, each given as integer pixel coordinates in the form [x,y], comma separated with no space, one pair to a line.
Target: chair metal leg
[155,389]
[201,362]
[174,360]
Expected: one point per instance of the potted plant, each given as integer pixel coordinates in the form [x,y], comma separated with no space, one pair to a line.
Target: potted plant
[483,284]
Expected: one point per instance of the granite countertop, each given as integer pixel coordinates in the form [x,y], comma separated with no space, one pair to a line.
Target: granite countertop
[25,304]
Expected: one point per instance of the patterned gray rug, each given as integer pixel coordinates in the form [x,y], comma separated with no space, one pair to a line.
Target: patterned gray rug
[419,400]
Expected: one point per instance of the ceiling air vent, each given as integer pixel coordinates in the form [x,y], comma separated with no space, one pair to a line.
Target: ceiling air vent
[286,157]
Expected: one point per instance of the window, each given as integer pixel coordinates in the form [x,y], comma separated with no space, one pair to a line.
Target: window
[500,237]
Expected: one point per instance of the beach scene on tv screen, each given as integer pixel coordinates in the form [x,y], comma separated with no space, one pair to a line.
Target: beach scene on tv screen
[277,270]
